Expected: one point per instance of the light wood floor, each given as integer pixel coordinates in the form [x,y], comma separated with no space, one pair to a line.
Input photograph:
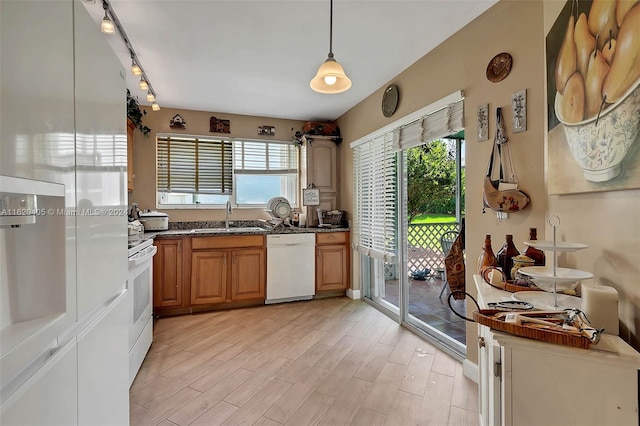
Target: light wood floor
[329,362]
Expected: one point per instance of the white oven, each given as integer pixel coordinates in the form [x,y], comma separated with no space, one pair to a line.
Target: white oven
[140,285]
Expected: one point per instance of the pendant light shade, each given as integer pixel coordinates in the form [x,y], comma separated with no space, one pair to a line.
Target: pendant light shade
[143,84]
[330,77]
[155,106]
[150,96]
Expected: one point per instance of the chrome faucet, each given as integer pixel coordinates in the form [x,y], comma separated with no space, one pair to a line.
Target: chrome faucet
[228,211]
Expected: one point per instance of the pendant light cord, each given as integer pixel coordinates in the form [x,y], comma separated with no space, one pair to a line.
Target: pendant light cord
[331,30]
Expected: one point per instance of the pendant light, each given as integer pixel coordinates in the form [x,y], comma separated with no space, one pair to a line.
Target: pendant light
[155,106]
[106,26]
[150,96]
[330,78]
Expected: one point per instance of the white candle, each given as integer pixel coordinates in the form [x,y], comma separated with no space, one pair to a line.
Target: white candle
[600,304]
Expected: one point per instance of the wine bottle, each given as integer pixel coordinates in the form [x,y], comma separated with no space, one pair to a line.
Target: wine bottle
[536,254]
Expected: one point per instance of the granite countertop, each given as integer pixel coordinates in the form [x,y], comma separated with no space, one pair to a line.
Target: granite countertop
[182,229]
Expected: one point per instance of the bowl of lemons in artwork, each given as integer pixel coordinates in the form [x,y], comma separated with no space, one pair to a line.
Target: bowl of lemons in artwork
[597,80]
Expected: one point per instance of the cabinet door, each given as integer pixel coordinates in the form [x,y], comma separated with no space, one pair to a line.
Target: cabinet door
[322,165]
[490,383]
[167,273]
[248,274]
[130,128]
[332,267]
[208,277]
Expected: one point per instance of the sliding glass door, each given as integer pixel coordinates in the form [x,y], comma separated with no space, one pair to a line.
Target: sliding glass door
[407,170]
[433,198]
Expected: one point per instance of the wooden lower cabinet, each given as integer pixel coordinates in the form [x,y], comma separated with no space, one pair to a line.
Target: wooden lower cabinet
[332,261]
[206,273]
[168,274]
[208,277]
[248,274]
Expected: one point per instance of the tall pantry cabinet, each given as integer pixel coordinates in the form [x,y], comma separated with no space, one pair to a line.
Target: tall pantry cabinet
[319,164]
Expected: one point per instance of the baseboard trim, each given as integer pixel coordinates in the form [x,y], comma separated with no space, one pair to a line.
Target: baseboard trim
[470,370]
[354,294]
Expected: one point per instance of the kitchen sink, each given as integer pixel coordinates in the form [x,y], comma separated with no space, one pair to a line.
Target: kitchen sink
[237,230]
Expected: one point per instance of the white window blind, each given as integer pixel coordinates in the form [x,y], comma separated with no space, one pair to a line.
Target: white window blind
[259,157]
[375,181]
[375,164]
[194,165]
[434,125]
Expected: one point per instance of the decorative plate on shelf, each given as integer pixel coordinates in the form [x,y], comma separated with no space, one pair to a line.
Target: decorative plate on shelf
[499,67]
[390,100]
[558,246]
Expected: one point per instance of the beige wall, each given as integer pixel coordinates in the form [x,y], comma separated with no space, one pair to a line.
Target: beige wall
[144,155]
[460,64]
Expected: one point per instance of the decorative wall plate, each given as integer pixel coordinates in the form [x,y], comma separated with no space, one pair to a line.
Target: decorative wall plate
[499,67]
[390,100]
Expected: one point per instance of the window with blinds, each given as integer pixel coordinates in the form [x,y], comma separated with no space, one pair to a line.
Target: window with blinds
[194,165]
[264,170]
[208,171]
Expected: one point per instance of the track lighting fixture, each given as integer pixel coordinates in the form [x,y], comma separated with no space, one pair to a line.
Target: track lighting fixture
[106,26]
[110,23]
[331,77]
[135,68]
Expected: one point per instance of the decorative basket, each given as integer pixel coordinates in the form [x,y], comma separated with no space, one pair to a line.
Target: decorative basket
[330,218]
[488,317]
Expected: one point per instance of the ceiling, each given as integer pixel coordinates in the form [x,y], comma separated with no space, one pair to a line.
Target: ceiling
[258,57]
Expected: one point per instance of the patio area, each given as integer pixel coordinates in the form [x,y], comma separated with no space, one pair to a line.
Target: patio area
[426,305]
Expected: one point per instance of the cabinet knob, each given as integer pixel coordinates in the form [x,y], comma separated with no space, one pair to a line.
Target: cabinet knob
[481,342]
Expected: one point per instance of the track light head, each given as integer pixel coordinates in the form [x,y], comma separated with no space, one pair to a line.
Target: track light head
[106,26]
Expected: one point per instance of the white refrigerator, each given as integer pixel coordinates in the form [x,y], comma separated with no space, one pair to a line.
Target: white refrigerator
[64,306]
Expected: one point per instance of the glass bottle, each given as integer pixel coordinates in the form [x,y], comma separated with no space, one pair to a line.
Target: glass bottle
[536,254]
[506,254]
[487,258]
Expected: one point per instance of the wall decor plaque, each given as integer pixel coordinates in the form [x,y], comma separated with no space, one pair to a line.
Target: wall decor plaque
[267,130]
[519,111]
[483,122]
[311,197]
[177,122]
[219,126]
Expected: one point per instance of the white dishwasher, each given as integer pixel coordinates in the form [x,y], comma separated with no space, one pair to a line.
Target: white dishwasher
[291,267]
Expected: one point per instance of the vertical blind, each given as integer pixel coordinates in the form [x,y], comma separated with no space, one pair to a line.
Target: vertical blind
[375,166]
[259,157]
[194,165]
[375,180]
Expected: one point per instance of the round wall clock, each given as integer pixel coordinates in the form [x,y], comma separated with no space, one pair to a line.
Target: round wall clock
[390,100]
[499,67]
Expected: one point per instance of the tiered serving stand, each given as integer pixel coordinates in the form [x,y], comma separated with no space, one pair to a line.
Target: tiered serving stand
[555,274]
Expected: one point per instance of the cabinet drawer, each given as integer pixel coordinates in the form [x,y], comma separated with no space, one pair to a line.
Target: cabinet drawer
[227,242]
[331,238]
